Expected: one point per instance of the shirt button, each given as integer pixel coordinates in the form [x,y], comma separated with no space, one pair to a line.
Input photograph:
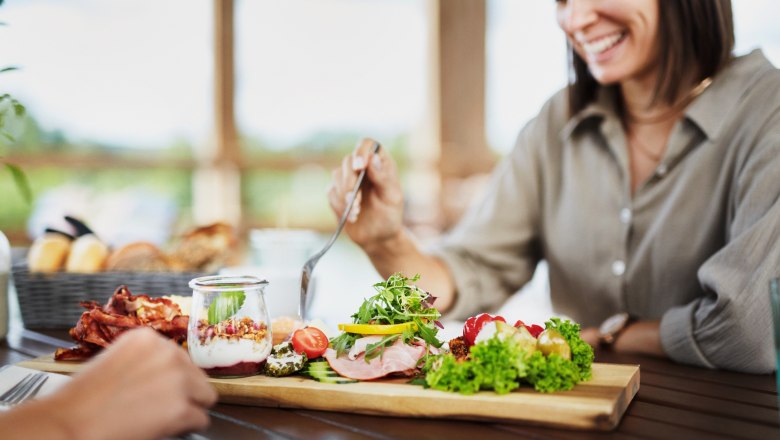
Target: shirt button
[661,170]
[625,216]
[618,268]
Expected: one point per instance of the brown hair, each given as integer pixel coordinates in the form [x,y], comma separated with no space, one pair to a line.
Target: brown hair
[696,38]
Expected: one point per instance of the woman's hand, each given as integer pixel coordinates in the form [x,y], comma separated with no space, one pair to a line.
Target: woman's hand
[143,386]
[377,214]
[376,221]
[641,337]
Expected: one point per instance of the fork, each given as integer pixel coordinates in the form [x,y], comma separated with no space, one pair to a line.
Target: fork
[25,389]
[308,267]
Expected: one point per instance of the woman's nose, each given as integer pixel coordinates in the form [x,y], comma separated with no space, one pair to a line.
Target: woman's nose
[576,15]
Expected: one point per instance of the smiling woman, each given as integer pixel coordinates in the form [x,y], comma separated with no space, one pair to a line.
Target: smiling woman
[623,231]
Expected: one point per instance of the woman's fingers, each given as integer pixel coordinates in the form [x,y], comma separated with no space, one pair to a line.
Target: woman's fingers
[355,211]
[362,154]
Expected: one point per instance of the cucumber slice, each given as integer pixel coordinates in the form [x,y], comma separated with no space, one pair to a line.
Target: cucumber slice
[321,372]
[327,378]
[318,366]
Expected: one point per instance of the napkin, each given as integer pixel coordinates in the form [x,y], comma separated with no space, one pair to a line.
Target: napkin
[12,374]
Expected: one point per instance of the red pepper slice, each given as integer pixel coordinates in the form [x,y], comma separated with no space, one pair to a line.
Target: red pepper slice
[474,325]
[533,328]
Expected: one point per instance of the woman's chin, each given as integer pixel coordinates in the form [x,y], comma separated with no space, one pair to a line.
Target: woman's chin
[605,77]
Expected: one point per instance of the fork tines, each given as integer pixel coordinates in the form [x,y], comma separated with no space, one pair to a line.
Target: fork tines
[27,388]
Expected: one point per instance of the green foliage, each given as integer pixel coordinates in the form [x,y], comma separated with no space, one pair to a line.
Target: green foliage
[20,179]
[11,108]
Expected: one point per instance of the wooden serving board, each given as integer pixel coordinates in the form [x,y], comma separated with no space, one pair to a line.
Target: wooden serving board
[596,404]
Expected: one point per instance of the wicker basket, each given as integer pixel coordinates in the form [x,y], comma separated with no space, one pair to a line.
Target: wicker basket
[51,300]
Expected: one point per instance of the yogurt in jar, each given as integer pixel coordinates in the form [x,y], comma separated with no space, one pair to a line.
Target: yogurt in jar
[234,347]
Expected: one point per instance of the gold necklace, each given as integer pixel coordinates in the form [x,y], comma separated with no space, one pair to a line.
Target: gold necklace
[645,150]
[682,103]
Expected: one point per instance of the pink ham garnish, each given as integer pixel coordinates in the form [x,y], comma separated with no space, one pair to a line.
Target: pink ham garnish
[397,358]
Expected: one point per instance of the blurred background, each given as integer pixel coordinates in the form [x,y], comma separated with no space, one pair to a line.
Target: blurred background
[146,117]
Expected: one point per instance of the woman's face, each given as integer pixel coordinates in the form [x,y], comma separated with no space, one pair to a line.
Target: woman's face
[616,38]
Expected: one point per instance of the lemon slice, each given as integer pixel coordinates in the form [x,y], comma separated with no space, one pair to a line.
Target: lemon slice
[376,329]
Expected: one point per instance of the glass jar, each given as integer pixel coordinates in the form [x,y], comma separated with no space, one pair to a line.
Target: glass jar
[229,333]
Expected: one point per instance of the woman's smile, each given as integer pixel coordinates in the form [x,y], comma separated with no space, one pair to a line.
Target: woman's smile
[602,48]
[617,39]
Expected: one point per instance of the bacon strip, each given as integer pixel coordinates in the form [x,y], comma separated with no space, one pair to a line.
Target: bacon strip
[99,326]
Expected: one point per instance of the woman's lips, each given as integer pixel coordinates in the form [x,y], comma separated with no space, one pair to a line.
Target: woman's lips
[600,48]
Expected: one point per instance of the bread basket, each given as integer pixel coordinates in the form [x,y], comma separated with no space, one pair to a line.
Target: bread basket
[51,300]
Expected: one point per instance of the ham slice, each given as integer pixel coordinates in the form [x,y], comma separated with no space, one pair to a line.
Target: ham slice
[360,346]
[397,358]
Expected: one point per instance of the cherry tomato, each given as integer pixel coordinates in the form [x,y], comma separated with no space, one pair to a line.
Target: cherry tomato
[474,325]
[310,340]
[533,328]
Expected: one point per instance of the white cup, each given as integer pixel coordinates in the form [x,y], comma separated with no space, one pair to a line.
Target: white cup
[284,248]
[278,255]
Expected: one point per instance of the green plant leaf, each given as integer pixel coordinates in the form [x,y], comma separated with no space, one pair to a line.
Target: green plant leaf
[18,108]
[22,183]
[8,69]
[7,135]
[225,305]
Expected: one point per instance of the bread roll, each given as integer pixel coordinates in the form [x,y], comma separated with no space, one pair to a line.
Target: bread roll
[87,255]
[283,326]
[139,256]
[205,249]
[48,253]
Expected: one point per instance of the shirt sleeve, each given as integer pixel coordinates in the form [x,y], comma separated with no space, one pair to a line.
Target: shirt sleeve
[494,249]
[731,327]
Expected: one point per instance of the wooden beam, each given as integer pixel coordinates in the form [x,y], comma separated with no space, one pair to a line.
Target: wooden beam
[217,179]
[461,84]
[458,97]
[227,148]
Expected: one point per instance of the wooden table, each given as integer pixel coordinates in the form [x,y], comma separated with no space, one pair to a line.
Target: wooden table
[674,402]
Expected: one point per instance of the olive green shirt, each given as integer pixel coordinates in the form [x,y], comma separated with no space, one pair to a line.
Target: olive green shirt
[694,247]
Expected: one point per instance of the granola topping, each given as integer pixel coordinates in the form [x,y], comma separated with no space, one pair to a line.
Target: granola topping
[232,330]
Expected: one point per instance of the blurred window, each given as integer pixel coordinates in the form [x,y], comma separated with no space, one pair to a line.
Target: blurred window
[314,76]
[116,92]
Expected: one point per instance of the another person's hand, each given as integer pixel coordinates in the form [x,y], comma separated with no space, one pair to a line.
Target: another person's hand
[143,386]
[377,214]
[591,336]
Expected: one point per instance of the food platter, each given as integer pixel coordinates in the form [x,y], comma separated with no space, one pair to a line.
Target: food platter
[597,404]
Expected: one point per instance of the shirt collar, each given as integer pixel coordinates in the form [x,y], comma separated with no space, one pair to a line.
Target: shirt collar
[602,107]
[709,111]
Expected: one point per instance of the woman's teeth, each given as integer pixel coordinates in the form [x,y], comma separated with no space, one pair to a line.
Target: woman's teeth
[602,44]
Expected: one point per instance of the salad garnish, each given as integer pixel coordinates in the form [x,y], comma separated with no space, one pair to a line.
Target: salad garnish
[397,301]
[225,305]
[503,360]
